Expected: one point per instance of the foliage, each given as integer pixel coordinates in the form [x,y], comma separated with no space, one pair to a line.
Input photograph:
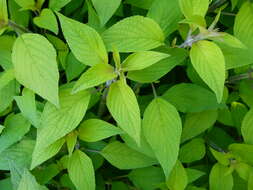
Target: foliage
[126,95]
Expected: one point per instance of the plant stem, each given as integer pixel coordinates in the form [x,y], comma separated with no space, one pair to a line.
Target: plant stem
[216,5]
[15,26]
[236,78]
[94,151]
[154,91]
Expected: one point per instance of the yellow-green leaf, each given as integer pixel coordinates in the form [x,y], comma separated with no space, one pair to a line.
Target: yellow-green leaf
[142,59]
[191,8]
[94,76]
[208,60]
[123,106]
[136,33]
[81,171]
[93,130]
[35,66]
[85,43]
[162,126]
[3,13]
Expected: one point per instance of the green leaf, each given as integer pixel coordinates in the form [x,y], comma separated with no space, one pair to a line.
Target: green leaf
[3,13]
[188,97]
[192,151]
[17,16]
[154,175]
[71,140]
[28,182]
[20,154]
[245,92]
[142,59]
[27,105]
[135,33]
[191,8]
[94,76]
[144,4]
[242,152]
[26,4]
[208,60]
[81,171]
[56,123]
[167,14]
[40,155]
[229,40]
[221,157]
[124,108]
[193,174]
[178,178]
[16,126]
[6,77]
[197,123]
[93,130]
[73,67]
[35,66]
[106,9]
[247,129]
[47,20]
[84,41]
[243,27]
[220,179]
[159,69]
[57,5]
[162,126]
[123,157]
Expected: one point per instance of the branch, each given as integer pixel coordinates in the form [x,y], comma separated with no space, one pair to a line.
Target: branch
[15,27]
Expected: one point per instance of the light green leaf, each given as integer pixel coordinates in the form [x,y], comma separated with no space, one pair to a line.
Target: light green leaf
[229,40]
[247,127]
[94,76]
[123,157]
[3,13]
[93,130]
[16,126]
[142,59]
[56,5]
[243,27]
[167,14]
[154,175]
[71,140]
[81,171]
[222,157]
[188,97]
[56,123]
[191,8]
[26,4]
[35,66]
[6,77]
[17,16]
[159,69]
[28,182]
[162,126]
[136,33]
[123,106]
[40,155]
[47,20]
[27,105]
[192,151]
[106,9]
[220,179]
[84,41]
[197,123]
[242,152]
[178,178]
[208,60]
